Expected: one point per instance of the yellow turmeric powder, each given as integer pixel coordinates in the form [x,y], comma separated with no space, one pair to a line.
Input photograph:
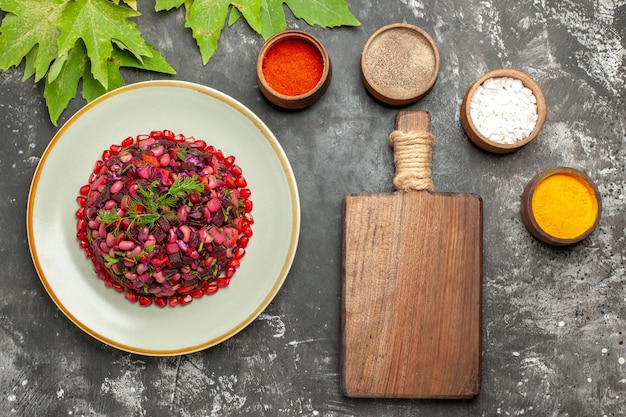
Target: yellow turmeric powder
[564,206]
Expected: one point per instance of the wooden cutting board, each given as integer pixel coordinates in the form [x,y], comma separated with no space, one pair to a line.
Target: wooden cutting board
[411,291]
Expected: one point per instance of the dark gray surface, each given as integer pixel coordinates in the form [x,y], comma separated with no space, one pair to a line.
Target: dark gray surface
[554,320]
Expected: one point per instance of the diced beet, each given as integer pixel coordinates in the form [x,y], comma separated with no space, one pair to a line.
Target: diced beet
[175,260]
[163,224]
[117,197]
[196,214]
[160,236]
[219,252]
[218,218]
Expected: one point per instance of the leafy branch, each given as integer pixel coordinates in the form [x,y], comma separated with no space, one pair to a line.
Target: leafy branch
[64,42]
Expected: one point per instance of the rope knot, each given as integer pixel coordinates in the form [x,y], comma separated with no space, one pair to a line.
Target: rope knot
[412,153]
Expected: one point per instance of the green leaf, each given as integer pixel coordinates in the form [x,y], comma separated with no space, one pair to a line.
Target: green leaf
[66,73]
[155,62]
[206,18]
[131,3]
[28,31]
[168,4]
[272,18]
[63,88]
[235,15]
[325,13]
[251,11]
[29,63]
[97,23]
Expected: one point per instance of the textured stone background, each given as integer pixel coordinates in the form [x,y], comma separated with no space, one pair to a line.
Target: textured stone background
[554,320]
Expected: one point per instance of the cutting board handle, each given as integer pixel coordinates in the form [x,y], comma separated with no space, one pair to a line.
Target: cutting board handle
[412,145]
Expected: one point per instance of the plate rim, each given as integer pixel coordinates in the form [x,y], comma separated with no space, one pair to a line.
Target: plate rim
[295,210]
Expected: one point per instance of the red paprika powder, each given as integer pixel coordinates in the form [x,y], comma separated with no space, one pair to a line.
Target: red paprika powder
[293,67]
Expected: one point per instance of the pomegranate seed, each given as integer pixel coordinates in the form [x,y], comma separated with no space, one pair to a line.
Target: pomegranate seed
[81,201]
[185,299]
[131,296]
[197,293]
[219,155]
[247,206]
[108,283]
[179,138]
[118,287]
[240,252]
[245,193]
[234,263]
[84,190]
[145,301]
[84,244]
[243,241]
[97,166]
[236,171]
[155,134]
[80,225]
[198,143]
[240,182]
[229,272]
[229,182]
[210,149]
[173,301]
[81,235]
[128,141]
[80,213]
[106,155]
[115,149]
[168,134]
[93,177]
[160,302]
[246,229]
[142,137]
[229,161]
[222,282]
[249,218]
[211,288]
[185,289]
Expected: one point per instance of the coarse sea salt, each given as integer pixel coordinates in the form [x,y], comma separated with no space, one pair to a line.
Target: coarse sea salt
[504,110]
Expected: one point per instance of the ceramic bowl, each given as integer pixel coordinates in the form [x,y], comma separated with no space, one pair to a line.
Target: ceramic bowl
[481,140]
[530,220]
[399,64]
[294,102]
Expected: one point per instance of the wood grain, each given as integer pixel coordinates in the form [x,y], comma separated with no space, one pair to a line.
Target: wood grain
[411,295]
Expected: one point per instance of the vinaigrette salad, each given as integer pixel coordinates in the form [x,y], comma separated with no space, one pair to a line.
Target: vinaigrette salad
[165,218]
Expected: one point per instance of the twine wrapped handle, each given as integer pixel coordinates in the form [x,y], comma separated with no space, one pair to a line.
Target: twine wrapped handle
[412,145]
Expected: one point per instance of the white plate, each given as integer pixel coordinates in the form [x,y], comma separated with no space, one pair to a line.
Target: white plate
[66,164]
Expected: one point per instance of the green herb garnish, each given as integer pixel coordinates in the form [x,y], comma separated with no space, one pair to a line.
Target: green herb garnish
[150,204]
